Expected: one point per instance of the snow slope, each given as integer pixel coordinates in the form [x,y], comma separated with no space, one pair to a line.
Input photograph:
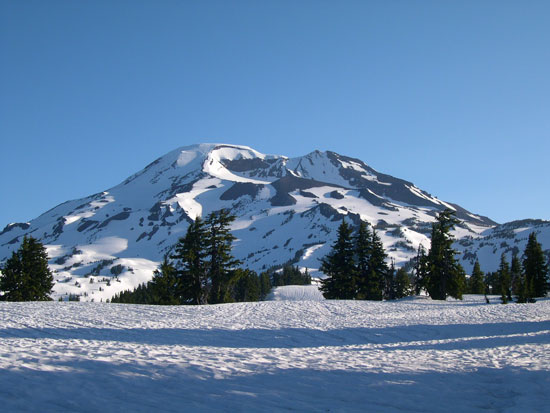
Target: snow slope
[307,356]
[288,210]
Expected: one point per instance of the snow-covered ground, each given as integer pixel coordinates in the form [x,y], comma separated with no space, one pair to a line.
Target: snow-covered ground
[411,355]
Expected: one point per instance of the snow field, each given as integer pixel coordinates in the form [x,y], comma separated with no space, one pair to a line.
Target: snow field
[414,355]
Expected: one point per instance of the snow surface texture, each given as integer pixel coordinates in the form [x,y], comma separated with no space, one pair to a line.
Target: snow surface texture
[288,210]
[308,356]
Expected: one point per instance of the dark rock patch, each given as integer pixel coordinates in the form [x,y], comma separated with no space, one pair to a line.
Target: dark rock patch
[243,165]
[118,217]
[240,189]
[85,224]
[307,194]
[336,195]
[21,225]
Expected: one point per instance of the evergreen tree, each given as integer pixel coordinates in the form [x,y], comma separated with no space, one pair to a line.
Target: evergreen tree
[246,286]
[389,282]
[339,266]
[363,251]
[265,285]
[190,253]
[420,270]
[163,286]
[445,275]
[26,275]
[505,280]
[378,269]
[516,275]
[291,275]
[476,283]
[221,263]
[535,268]
[402,284]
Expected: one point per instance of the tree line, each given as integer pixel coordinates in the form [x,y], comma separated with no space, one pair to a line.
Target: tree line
[356,268]
[202,270]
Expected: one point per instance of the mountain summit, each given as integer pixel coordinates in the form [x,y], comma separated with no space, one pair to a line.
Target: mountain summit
[287,210]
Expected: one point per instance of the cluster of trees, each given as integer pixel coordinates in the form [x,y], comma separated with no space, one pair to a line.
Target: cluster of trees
[202,270]
[523,279]
[356,268]
[26,275]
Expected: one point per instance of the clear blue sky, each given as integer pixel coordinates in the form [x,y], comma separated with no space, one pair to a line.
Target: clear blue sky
[451,95]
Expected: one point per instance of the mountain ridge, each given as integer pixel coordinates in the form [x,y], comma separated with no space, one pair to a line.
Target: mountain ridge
[287,210]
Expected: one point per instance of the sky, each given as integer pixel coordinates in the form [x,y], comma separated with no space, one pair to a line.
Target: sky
[451,95]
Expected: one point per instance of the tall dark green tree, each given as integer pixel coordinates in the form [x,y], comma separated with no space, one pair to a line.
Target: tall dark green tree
[420,270]
[476,283]
[339,266]
[221,262]
[265,285]
[163,287]
[505,280]
[402,284]
[246,286]
[26,275]
[378,269]
[445,276]
[535,268]
[190,253]
[363,251]
[516,274]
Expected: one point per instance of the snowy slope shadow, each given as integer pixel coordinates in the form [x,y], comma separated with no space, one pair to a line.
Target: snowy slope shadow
[143,388]
[437,337]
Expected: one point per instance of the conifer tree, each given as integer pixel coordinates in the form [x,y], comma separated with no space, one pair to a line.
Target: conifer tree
[402,283]
[420,270]
[163,286]
[339,266]
[26,275]
[363,251]
[377,267]
[246,286]
[192,284]
[445,275]
[221,263]
[505,280]
[265,285]
[516,275]
[476,282]
[535,268]
[389,282]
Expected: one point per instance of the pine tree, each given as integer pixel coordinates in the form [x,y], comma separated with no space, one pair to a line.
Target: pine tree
[192,281]
[378,269]
[26,275]
[363,251]
[420,270]
[163,286]
[535,268]
[516,275]
[476,283]
[265,285]
[505,280]
[402,284]
[246,286]
[389,282]
[339,266]
[221,263]
[445,275]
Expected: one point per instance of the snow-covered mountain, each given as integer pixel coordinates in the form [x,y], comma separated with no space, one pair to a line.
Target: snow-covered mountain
[287,209]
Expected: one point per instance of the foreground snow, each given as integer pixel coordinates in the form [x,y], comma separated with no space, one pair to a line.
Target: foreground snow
[413,355]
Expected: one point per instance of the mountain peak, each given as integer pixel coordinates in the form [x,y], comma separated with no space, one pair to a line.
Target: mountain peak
[287,210]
